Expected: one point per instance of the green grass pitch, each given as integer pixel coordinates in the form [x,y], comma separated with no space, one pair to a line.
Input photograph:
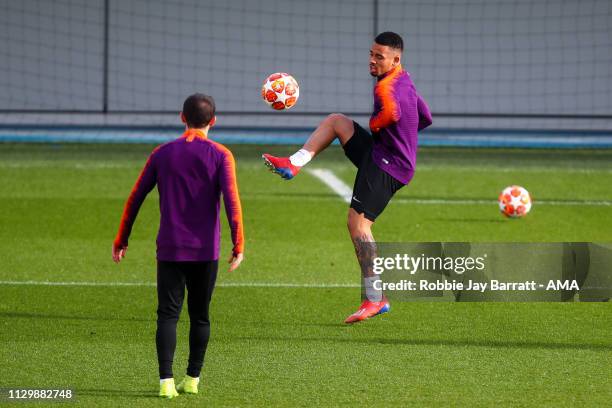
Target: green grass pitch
[60,206]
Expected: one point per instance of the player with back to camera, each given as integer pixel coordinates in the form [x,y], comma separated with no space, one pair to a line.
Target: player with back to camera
[191,173]
[385,159]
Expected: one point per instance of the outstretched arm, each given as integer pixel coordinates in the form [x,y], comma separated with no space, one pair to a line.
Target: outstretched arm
[424,113]
[144,184]
[233,209]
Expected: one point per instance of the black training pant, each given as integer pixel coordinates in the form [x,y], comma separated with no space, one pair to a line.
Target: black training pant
[172,277]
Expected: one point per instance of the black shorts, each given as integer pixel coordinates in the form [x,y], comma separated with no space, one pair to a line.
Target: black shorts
[373,187]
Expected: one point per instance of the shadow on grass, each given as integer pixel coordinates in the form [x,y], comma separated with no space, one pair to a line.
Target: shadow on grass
[25,315]
[433,342]
[338,324]
[91,392]
[496,221]
[296,194]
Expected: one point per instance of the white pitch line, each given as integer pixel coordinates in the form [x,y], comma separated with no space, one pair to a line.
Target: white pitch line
[153,284]
[405,200]
[136,165]
[524,169]
[332,181]
[344,191]
[79,166]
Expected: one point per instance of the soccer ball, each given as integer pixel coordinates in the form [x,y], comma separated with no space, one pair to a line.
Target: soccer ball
[280,91]
[514,202]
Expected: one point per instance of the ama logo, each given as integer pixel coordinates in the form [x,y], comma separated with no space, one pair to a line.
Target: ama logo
[562,285]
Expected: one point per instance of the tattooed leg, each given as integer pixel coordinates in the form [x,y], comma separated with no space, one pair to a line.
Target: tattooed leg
[365,250]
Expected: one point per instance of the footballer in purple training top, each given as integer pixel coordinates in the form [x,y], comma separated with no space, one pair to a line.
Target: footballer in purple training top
[385,159]
[191,173]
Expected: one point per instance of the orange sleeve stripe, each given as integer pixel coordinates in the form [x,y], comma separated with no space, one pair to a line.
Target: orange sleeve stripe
[127,218]
[236,215]
[233,200]
[390,112]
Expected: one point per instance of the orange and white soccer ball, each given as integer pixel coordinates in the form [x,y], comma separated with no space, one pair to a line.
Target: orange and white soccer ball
[514,202]
[280,91]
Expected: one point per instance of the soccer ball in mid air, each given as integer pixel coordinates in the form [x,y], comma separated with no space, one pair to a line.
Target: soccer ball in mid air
[280,91]
[514,202]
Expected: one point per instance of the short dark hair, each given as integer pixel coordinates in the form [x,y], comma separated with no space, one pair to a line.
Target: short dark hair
[198,109]
[390,39]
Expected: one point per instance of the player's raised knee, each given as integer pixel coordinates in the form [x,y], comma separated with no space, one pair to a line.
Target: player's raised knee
[342,126]
[336,117]
[338,120]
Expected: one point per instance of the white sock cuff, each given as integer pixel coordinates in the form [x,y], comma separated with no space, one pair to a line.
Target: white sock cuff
[300,158]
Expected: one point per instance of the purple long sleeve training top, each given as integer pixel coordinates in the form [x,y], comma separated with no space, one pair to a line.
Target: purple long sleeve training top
[191,173]
[399,113]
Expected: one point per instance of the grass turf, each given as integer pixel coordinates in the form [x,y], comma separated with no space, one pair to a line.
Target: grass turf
[59,210]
